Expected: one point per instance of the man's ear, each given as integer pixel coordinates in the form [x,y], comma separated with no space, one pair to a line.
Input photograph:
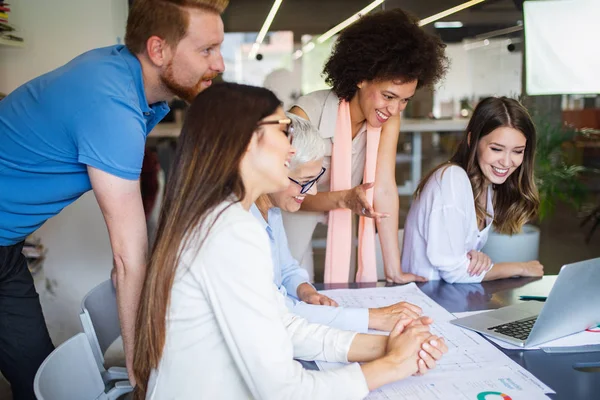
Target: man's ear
[159,52]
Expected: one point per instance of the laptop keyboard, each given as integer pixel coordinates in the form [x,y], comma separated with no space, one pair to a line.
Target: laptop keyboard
[518,329]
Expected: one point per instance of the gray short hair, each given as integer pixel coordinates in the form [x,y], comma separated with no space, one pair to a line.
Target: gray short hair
[307,141]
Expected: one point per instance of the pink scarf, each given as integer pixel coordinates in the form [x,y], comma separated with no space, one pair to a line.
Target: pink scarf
[339,230]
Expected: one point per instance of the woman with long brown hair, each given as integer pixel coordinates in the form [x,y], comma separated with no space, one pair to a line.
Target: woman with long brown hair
[487,182]
[211,324]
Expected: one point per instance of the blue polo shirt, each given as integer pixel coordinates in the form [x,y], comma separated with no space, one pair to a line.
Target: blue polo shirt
[91,111]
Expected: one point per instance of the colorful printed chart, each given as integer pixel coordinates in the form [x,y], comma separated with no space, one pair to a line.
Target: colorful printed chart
[490,395]
[472,369]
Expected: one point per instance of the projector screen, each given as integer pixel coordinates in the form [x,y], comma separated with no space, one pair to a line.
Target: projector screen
[562,46]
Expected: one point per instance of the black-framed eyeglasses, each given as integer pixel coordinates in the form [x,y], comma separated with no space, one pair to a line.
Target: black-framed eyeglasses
[304,188]
[289,132]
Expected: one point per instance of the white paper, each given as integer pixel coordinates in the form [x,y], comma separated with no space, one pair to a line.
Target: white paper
[487,384]
[577,339]
[471,366]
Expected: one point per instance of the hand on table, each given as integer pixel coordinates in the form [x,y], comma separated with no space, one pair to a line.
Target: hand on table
[386,318]
[406,347]
[532,268]
[309,295]
[402,277]
[480,263]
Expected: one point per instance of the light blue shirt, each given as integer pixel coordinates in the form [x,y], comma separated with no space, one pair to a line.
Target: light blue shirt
[92,111]
[288,275]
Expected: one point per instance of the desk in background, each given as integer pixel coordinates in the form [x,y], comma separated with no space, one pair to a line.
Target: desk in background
[555,370]
[417,127]
[414,126]
[166,130]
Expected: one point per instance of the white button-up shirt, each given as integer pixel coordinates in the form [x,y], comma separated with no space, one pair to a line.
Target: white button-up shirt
[229,334]
[441,228]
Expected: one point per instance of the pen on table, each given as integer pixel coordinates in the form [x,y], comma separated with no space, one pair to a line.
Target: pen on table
[538,298]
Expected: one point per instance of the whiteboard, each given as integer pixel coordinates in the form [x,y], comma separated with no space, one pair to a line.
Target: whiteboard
[562,46]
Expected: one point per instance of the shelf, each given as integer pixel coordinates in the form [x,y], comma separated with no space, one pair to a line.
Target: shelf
[11,43]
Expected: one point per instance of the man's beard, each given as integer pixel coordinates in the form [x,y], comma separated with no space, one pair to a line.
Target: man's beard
[187,93]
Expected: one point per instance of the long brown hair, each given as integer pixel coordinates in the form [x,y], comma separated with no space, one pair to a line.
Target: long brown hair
[167,19]
[217,130]
[516,201]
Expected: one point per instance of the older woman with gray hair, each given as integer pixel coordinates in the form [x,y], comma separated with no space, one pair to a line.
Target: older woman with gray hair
[291,279]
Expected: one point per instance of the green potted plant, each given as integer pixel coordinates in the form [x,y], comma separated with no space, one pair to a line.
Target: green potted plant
[557,179]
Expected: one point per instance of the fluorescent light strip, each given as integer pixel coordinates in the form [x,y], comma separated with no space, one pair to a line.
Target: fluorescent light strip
[311,45]
[264,29]
[500,32]
[449,11]
[348,21]
[308,47]
[448,24]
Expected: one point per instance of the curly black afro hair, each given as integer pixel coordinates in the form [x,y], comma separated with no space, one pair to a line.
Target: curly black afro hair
[387,45]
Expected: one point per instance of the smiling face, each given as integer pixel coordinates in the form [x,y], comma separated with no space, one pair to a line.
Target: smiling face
[380,100]
[197,58]
[271,154]
[291,199]
[500,153]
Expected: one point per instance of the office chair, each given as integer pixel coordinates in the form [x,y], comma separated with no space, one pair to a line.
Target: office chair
[100,321]
[70,373]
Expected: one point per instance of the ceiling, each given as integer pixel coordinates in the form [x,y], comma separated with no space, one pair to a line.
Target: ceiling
[318,16]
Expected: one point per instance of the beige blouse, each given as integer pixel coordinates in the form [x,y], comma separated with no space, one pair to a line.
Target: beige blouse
[321,108]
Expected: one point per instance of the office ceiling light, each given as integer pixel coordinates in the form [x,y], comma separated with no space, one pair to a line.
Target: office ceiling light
[449,11]
[449,24]
[308,47]
[500,32]
[324,37]
[264,29]
[348,21]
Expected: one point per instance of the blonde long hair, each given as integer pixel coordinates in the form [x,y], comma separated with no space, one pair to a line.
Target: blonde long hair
[516,201]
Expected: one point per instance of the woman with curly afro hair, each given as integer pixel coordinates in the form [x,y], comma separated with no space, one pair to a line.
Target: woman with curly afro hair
[375,68]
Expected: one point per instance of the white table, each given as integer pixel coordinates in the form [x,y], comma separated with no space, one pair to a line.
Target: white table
[417,127]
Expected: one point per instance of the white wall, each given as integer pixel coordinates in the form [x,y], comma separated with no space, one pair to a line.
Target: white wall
[55,32]
[478,70]
[312,66]
[79,254]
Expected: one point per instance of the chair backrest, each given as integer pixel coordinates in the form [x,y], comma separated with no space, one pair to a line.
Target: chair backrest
[70,373]
[379,255]
[100,313]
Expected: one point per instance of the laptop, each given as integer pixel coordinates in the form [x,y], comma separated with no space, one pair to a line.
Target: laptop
[572,306]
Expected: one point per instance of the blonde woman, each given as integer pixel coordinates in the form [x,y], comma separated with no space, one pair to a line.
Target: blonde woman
[301,297]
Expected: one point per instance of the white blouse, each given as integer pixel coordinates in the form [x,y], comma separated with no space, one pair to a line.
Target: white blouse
[229,334]
[441,228]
